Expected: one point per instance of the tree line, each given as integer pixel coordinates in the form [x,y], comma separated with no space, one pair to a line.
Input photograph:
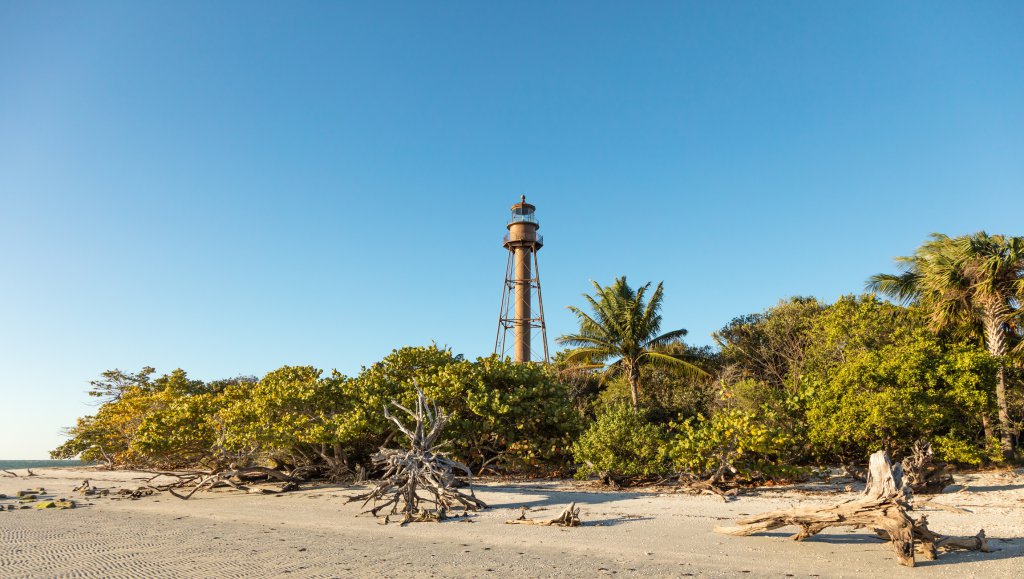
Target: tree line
[802,383]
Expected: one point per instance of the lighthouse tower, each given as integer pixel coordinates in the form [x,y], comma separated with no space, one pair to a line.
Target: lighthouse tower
[522,280]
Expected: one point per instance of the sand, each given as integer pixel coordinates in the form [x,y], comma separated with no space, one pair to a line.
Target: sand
[313,533]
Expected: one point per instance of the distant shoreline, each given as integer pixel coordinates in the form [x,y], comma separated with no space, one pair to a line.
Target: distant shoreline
[18,464]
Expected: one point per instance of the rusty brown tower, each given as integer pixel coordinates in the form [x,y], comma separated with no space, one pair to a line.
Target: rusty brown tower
[522,279]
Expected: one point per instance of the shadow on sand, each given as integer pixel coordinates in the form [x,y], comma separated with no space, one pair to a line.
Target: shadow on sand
[1010,548]
[541,495]
[992,488]
[615,522]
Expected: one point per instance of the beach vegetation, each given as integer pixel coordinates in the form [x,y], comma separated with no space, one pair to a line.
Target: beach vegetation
[622,334]
[502,416]
[621,442]
[751,444]
[969,286]
[800,384]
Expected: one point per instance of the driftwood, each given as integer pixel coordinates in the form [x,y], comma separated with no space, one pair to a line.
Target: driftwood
[930,543]
[921,471]
[883,508]
[191,482]
[420,482]
[722,490]
[854,472]
[28,472]
[136,493]
[607,478]
[570,517]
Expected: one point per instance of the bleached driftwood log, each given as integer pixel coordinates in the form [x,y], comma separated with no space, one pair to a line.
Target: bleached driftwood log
[419,482]
[570,517]
[883,508]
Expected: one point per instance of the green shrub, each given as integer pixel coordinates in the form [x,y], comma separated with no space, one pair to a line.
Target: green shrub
[518,416]
[950,448]
[733,441]
[502,414]
[621,441]
[879,379]
[512,416]
[293,415]
[114,435]
[179,432]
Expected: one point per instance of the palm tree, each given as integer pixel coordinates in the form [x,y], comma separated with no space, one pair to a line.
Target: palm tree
[974,285]
[623,327]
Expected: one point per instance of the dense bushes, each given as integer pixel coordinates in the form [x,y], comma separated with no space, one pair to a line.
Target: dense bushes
[862,374]
[802,383]
[877,378]
[733,441]
[503,415]
[133,406]
[621,441]
[805,383]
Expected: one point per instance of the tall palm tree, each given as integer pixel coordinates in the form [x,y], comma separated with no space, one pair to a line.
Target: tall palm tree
[623,328]
[974,285]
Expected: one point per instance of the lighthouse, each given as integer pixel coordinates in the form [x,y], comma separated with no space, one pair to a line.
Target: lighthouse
[522,281]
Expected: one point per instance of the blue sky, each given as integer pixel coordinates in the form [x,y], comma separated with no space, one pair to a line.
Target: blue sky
[231,187]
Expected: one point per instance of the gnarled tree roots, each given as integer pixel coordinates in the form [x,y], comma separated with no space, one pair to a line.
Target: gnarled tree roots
[420,482]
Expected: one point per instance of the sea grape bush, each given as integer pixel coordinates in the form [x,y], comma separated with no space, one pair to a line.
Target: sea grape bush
[877,378]
[621,441]
[732,442]
[503,415]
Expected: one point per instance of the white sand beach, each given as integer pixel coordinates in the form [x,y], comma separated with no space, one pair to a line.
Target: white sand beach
[314,533]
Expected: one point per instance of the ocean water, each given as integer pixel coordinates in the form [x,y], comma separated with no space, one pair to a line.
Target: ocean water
[16,464]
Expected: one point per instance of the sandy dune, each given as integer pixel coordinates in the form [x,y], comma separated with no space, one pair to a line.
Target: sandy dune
[313,533]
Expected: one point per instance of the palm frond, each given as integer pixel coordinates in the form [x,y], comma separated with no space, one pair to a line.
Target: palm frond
[690,370]
[903,288]
[588,325]
[586,341]
[588,355]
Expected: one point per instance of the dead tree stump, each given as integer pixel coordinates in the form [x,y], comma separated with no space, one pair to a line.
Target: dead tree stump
[420,482]
[883,508]
[921,471]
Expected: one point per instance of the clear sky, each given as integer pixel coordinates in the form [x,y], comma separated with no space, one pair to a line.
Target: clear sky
[231,187]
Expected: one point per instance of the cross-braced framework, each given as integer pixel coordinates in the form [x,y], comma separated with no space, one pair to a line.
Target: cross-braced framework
[507,321]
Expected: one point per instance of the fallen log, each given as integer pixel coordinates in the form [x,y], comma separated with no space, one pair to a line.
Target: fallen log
[287,488]
[138,493]
[883,508]
[929,543]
